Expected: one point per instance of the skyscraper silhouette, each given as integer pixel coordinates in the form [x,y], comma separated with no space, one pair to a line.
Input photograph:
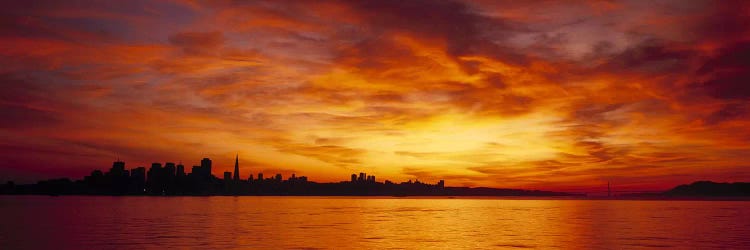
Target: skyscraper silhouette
[155,179]
[205,169]
[170,169]
[206,164]
[180,170]
[118,168]
[237,168]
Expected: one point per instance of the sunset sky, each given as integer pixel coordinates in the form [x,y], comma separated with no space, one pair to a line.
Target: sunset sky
[556,95]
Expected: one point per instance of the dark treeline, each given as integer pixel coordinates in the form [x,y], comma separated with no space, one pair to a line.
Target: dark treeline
[171,180]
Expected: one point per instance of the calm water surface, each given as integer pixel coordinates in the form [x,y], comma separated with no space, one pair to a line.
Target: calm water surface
[72,222]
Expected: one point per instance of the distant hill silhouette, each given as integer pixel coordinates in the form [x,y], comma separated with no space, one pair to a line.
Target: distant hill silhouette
[711,189]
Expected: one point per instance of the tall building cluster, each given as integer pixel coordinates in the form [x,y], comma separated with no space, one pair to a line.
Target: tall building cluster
[171,179]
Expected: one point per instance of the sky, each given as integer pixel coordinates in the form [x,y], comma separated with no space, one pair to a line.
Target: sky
[555,95]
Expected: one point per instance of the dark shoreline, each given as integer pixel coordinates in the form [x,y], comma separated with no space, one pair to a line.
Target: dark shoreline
[172,179]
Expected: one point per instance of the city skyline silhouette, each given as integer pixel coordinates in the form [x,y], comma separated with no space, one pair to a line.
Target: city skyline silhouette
[170,179]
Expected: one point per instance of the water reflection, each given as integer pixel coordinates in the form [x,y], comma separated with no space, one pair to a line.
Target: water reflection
[345,222]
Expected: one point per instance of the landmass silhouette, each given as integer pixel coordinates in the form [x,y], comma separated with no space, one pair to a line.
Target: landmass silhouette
[709,188]
[171,180]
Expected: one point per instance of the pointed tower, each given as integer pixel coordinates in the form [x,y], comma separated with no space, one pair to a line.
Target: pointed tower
[237,168]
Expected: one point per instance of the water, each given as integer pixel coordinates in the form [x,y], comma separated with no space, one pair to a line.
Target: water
[78,222]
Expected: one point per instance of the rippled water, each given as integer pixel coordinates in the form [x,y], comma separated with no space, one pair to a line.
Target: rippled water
[347,222]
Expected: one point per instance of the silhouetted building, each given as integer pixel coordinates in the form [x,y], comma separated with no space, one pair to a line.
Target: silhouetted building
[227,182]
[260,176]
[180,170]
[155,180]
[362,177]
[278,177]
[354,177]
[96,181]
[441,184]
[170,169]
[203,171]
[250,178]
[116,180]
[169,175]
[206,163]
[155,165]
[206,167]
[118,168]
[138,180]
[237,168]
